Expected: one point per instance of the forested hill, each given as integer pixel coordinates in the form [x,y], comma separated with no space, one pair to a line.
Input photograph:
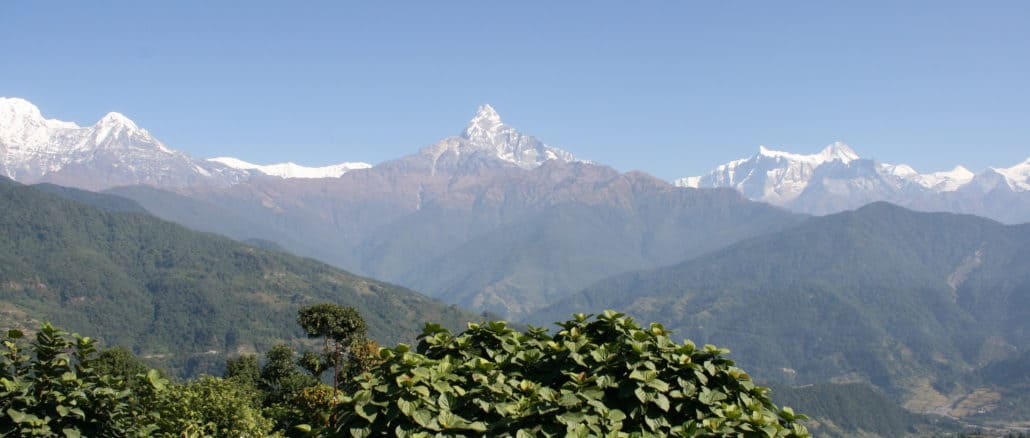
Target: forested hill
[911,302]
[169,292]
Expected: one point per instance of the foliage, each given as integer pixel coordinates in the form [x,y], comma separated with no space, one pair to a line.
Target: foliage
[596,377]
[52,387]
[120,363]
[315,404]
[332,322]
[340,327]
[243,369]
[364,356]
[281,380]
[210,406]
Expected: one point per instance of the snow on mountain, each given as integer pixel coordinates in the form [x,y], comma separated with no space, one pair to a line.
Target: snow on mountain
[292,170]
[1017,177]
[114,151]
[947,181]
[486,140]
[772,176]
[837,179]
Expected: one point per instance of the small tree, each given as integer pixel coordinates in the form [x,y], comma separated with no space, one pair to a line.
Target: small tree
[244,369]
[338,326]
[281,381]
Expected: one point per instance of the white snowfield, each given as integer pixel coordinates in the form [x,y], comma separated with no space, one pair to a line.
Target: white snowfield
[293,170]
[780,177]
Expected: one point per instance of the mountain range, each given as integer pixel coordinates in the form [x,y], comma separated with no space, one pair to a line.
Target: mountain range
[838,179]
[115,152]
[491,218]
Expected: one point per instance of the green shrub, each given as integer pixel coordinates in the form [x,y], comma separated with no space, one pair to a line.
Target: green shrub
[596,377]
[211,406]
[51,387]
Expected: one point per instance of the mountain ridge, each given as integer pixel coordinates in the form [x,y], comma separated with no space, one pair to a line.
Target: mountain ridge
[838,179]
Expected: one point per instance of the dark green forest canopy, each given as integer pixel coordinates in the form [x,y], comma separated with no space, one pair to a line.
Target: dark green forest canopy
[169,292]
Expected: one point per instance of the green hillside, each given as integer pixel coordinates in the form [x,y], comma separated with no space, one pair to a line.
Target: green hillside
[913,303]
[171,293]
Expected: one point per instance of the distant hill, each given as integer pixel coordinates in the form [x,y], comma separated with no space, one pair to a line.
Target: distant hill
[168,292]
[913,303]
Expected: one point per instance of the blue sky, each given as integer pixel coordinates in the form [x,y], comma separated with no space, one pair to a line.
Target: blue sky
[671,88]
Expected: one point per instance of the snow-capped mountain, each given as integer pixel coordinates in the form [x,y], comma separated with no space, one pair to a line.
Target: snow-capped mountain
[771,176]
[1016,177]
[292,170]
[837,179]
[485,142]
[112,152]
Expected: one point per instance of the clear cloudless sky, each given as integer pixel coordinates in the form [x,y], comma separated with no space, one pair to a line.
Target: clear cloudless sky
[671,88]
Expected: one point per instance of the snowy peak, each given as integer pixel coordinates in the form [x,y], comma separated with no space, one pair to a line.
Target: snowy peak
[486,129]
[16,107]
[836,151]
[1017,177]
[772,176]
[839,151]
[485,122]
[836,179]
[115,126]
[487,141]
[112,152]
[22,124]
[292,170]
[116,120]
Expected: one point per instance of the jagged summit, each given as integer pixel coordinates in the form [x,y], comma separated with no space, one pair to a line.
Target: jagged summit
[836,151]
[487,141]
[485,126]
[486,119]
